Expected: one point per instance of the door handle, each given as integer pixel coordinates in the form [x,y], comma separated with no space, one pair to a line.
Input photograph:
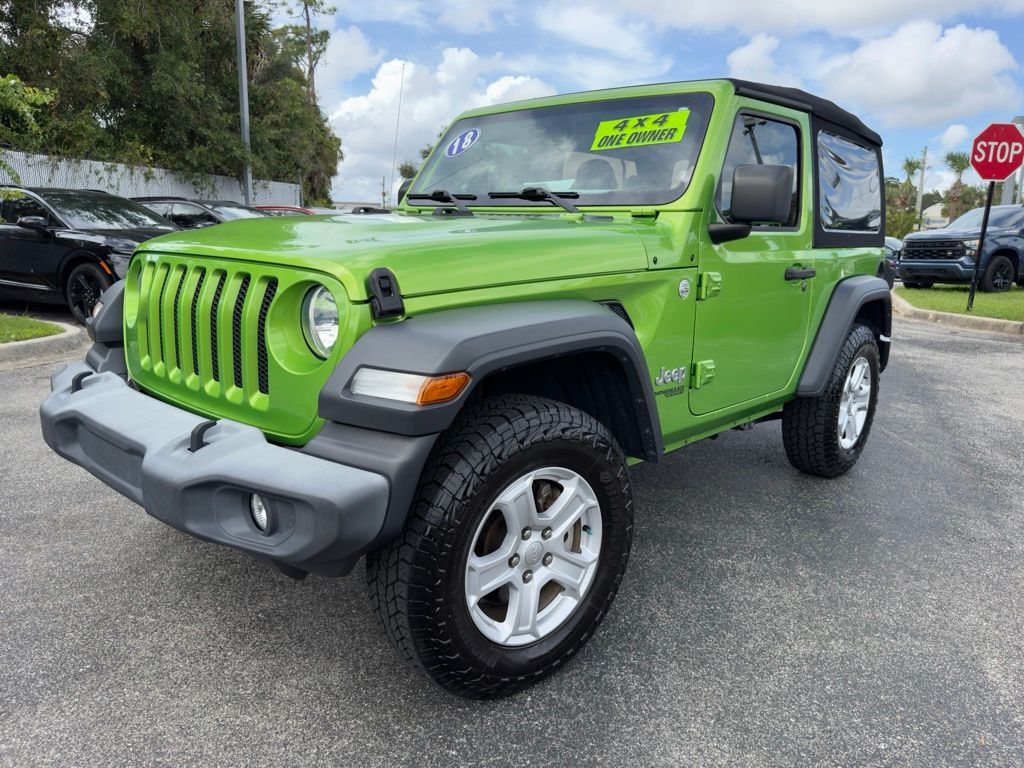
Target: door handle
[800,273]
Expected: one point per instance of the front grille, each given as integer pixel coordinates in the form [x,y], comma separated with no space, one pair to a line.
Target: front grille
[223,338]
[933,250]
[172,294]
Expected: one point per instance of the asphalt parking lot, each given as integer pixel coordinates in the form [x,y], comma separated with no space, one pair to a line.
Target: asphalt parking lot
[766,618]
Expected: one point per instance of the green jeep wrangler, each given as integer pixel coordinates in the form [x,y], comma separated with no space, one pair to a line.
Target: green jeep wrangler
[456,389]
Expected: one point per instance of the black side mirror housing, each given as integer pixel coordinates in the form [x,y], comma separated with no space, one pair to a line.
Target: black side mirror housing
[762,194]
[37,223]
[403,188]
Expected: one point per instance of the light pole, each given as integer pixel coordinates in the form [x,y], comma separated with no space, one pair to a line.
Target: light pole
[1019,121]
[243,97]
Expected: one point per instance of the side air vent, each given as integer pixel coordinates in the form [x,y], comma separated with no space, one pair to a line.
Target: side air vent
[619,310]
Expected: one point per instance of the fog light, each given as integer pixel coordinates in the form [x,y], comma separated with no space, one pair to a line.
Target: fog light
[259,511]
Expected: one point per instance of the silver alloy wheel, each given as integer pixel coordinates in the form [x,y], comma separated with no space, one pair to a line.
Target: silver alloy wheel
[854,403]
[533,556]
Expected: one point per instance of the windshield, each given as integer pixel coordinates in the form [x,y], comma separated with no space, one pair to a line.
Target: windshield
[231,212]
[95,210]
[613,152]
[1001,218]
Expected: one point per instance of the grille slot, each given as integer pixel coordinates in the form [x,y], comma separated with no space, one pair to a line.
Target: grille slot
[261,338]
[177,318]
[194,317]
[160,312]
[213,327]
[934,250]
[236,331]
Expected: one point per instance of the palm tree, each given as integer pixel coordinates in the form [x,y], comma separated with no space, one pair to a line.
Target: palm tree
[911,165]
[958,163]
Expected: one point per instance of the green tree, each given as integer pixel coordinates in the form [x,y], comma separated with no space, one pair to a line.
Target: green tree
[151,82]
[953,201]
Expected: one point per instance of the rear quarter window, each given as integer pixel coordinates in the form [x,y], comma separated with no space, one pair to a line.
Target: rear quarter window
[849,186]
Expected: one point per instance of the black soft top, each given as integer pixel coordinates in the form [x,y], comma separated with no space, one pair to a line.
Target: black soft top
[806,102]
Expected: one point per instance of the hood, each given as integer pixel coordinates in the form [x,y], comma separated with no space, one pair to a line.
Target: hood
[428,254]
[103,236]
[972,233]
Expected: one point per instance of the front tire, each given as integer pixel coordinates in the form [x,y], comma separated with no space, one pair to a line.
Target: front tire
[998,275]
[513,550]
[83,288]
[825,435]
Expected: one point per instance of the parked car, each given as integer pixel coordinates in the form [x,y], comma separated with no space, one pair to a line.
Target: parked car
[572,284]
[889,267]
[68,245]
[948,255]
[293,210]
[192,214]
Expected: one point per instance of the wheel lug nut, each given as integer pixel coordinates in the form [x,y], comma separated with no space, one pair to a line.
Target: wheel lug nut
[513,561]
[527,577]
[546,533]
[527,533]
[547,559]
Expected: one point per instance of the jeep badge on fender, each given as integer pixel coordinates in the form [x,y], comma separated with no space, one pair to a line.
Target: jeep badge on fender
[457,390]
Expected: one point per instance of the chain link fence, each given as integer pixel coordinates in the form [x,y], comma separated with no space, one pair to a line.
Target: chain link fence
[136,181]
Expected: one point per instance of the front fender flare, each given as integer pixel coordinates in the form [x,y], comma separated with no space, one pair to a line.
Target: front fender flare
[482,341]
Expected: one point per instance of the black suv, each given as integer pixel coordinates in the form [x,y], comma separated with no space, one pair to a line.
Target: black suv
[68,245]
[192,214]
[947,255]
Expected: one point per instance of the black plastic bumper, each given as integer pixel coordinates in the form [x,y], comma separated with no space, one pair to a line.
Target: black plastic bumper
[935,271]
[323,514]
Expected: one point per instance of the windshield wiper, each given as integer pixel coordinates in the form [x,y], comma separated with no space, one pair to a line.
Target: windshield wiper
[442,196]
[538,194]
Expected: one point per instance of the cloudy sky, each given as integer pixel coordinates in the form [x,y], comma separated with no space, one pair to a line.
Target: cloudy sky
[921,72]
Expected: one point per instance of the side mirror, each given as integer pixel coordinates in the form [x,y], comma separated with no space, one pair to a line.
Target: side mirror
[762,194]
[37,223]
[403,188]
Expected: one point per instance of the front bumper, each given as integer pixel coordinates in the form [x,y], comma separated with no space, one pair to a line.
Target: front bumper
[324,514]
[936,271]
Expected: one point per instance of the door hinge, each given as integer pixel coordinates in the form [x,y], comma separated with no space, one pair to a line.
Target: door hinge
[703,373]
[708,284]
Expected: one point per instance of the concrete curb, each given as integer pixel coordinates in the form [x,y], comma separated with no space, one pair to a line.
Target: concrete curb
[903,308]
[70,338]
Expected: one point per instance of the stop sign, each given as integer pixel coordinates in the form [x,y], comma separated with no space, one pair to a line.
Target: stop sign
[998,151]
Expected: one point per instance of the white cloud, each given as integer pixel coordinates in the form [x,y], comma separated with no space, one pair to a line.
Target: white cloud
[923,74]
[954,137]
[857,19]
[756,61]
[470,16]
[432,97]
[349,53]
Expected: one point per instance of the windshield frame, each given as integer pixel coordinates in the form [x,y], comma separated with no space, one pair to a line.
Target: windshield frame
[700,103]
[56,199]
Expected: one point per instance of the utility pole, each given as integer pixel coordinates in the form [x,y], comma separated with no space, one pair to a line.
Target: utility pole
[1012,192]
[920,190]
[243,97]
[383,194]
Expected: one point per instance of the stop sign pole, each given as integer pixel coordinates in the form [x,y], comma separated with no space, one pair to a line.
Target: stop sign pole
[998,151]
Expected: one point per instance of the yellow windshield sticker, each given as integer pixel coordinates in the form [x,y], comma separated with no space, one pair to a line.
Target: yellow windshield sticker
[641,131]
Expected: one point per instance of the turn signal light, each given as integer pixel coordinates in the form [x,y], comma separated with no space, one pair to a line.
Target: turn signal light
[441,389]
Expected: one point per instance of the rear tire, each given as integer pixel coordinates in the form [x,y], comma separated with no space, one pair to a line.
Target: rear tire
[998,275]
[825,435]
[83,287]
[452,590]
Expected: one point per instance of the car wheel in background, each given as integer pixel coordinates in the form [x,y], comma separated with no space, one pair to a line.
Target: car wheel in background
[998,275]
[83,287]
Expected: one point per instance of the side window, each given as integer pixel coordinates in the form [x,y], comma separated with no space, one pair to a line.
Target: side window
[849,186]
[757,140]
[160,209]
[18,204]
[191,216]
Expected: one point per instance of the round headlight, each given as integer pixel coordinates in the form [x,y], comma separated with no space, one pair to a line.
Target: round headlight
[320,320]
